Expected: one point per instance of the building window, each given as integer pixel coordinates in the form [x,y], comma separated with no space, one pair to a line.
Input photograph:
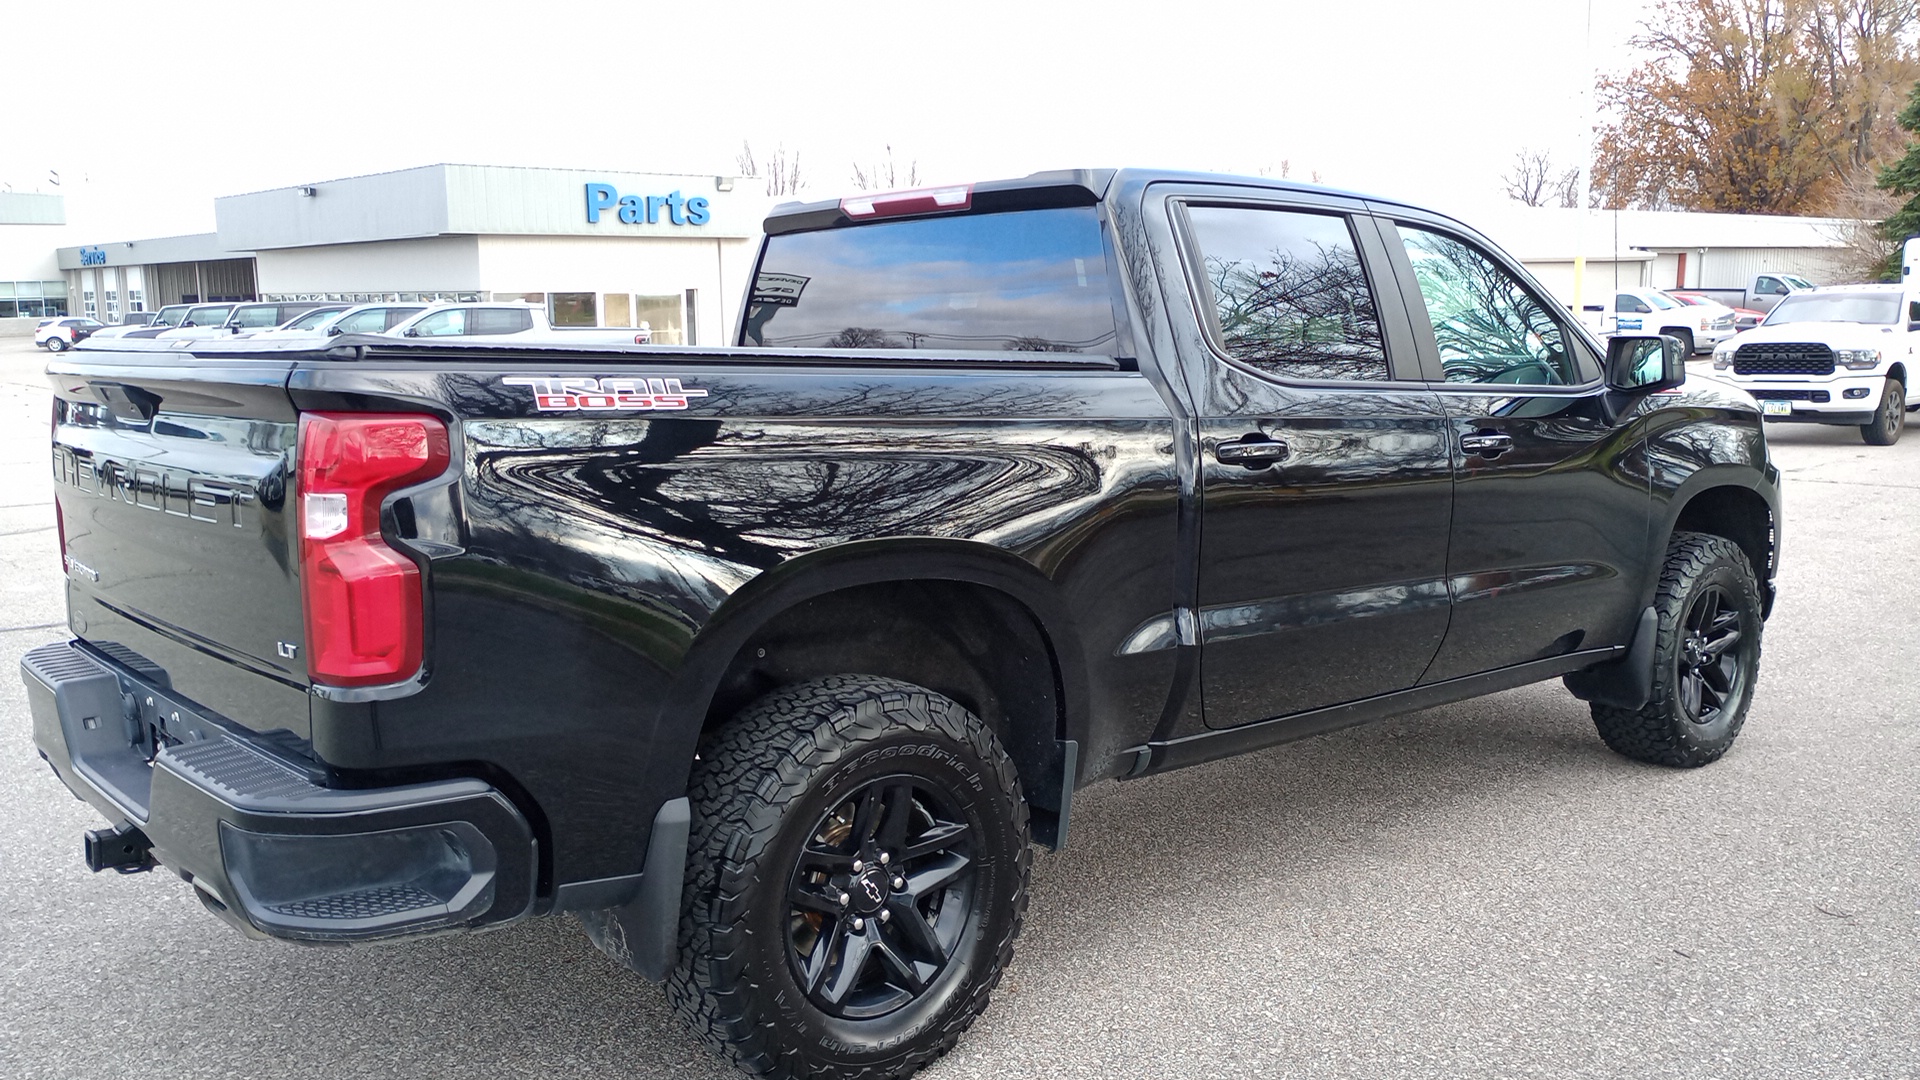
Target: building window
[113,305]
[616,309]
[660,315]
[536,298]
[86,297]
[574,309]
[136,300]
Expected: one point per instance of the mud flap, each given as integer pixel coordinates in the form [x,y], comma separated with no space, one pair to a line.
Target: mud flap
[1626,683]
[642,934]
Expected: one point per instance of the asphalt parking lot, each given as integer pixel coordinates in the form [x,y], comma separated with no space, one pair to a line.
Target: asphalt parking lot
[1481,890]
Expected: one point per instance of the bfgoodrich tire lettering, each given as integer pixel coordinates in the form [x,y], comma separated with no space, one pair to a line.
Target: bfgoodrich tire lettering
[789,798]
[1706,658]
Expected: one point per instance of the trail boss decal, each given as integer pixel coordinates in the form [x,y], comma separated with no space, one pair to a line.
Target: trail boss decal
[603,395]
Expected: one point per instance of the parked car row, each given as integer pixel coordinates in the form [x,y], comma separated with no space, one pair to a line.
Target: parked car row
[294,324]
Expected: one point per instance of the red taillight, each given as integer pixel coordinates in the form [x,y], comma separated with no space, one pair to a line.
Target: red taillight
[362,597]
[917,201]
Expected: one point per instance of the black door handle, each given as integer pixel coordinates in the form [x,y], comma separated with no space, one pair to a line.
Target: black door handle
[1253,452]
[1488,444]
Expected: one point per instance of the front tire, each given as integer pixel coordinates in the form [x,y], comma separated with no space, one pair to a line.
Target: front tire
[55,344]
[856,876]
[1706,658]
[1890,418]
[1685,337]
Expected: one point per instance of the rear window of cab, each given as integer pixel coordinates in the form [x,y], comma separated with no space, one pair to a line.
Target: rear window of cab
[1017,281]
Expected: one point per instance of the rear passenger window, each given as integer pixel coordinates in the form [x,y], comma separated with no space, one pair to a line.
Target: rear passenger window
[1288,294]
[499,321]
[1027,281]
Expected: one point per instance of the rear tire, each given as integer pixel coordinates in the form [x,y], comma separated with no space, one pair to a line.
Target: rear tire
[1890,418]
[55,344]
[793,963]
[1706,658]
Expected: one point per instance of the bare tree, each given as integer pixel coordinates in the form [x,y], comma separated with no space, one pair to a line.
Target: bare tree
[885,175]
[1566,189]
[783,169]
[1530,179]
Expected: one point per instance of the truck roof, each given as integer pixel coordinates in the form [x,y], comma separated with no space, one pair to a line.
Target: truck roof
[1040,190]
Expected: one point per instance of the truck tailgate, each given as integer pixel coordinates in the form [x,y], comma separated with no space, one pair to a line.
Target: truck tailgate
[172,478]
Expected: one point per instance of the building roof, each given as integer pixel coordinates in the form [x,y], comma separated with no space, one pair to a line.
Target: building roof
[1546,233]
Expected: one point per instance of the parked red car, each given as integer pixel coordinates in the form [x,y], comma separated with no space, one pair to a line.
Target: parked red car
[1743,318]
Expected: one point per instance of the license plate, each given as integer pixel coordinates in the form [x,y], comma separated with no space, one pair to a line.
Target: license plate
[1776,408]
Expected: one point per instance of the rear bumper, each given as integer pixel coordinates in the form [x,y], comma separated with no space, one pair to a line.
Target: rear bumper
[268,847]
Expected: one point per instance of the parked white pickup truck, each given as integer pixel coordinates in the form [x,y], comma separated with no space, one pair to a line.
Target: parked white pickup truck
[1836,355]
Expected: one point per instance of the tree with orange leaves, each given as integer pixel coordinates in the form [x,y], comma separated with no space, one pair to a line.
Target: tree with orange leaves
[1757,106]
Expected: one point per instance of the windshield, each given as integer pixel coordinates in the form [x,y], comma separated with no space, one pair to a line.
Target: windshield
[1797,282]
[1875,308]
[209,316]
[170,316]
[1661,300]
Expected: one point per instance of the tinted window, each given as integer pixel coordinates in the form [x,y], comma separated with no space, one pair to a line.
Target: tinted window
[1028,280]
[396,315]
[1288,293]
[499,320]
[1767,286]
[255,317]
[1623,302]
[1488,326]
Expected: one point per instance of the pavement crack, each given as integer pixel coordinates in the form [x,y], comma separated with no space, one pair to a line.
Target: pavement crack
[24,532]
[35,626]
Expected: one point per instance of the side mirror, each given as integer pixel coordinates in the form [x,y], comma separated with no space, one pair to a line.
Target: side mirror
[411,332]
[334,330]
[1645,364]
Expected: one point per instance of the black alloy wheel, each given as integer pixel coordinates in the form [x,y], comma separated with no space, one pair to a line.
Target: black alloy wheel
[1706,658]
[883,889]
[856,876]
[1712,676]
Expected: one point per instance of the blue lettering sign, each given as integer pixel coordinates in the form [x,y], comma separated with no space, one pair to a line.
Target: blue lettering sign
[93,256]
[633,209]
[599,197]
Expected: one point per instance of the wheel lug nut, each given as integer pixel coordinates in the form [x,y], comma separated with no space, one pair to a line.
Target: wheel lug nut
[899,883]
[885,858]
[859,924]
[858,866]
[885,915]
[845,899]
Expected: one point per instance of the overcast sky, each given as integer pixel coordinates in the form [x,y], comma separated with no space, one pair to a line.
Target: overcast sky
[162,107]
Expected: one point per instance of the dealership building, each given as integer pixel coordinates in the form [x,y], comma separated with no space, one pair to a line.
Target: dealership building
[594,248]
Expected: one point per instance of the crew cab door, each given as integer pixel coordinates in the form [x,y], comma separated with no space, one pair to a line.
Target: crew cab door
[1326,466]
[1549,541]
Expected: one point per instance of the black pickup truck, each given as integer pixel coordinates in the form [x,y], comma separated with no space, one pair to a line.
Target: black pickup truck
[770,662]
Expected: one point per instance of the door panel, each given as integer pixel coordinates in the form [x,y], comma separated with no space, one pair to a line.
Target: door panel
[1323,576]
[1549,535]
[1327,467]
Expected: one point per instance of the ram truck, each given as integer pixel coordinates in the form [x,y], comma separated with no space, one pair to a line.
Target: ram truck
[1841,355]
[771,662]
